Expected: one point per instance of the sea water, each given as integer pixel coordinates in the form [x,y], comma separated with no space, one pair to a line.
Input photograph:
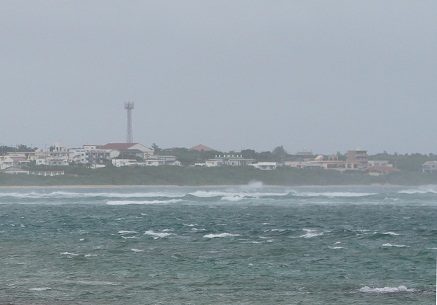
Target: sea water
[220,245]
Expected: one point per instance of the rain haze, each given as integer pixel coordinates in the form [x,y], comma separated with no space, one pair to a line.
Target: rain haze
[325,76]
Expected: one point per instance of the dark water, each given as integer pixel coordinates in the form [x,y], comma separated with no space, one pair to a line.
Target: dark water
[241,245]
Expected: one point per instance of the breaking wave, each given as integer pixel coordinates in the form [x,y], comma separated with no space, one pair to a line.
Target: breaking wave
[399,289]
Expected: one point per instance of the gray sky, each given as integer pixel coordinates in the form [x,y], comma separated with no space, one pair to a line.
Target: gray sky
[327,76]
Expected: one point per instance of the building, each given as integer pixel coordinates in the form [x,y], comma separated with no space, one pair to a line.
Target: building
[57,155]
[334,164]
[429,167]
[302,164]
[128,150]
[124,162]
[359,157]
[265,165]
[379,163]
[202,147]
[228,159]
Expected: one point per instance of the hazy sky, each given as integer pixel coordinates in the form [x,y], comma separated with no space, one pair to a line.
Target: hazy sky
[327,76]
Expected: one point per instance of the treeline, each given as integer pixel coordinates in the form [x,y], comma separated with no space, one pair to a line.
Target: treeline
[19,148]
[225,175]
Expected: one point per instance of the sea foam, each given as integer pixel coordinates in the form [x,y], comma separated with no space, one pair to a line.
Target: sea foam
[157,235]
[40,289]
[398,289]
[311,233]
[220,235]
[127,202]
[397,246]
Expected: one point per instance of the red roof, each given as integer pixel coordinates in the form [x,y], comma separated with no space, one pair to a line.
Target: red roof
[118,146]
[201,147]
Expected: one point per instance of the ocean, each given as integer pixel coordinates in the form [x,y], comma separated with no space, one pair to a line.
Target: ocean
[251,244]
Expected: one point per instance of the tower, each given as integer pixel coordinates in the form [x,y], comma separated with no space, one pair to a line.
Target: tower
[129,106]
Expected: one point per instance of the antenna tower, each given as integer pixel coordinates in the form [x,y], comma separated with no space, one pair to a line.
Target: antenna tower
[129,106]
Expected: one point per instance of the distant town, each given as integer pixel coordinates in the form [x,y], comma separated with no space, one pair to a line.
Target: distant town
[51,161]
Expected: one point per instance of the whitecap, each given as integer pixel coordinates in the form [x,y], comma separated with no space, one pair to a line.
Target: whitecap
[157,235]
[398,289]
[420,190]
[335,248]
[69,254]
[127,232]
[391,233]
[311,233]
[220,235]
[40,289]
[127,202]
[96,283]
[397,246]
[334,194]
[90,255]
[136,250]
[233,198]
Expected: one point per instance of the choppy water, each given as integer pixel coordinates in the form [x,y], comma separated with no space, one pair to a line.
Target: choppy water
[236,245]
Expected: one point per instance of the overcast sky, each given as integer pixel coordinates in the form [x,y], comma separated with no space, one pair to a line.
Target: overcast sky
[325,76]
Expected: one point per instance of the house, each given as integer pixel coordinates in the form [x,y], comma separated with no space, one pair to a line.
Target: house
[228,159]
[52,161]
[333,163]
[265,165]
[124,162]
[6,162]
[152,162]
[429,167]
[302,164]
[160,160]
[201,147]
[128,149]
[379,163]
[57,155]
[214,162]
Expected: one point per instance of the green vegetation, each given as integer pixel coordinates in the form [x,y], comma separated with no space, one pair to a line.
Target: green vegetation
[19,148]
[174,175]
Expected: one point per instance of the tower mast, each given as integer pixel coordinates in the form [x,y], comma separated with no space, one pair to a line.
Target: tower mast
[129,106]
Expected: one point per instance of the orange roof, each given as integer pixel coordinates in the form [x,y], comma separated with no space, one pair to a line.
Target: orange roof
[201,147]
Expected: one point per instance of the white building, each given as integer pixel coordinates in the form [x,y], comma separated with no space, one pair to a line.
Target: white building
[228,159]
[429,167]
[129,149]
[6,162]
[265,165]
[124,162]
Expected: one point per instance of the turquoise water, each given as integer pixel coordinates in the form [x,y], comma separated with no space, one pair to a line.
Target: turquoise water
[229,245]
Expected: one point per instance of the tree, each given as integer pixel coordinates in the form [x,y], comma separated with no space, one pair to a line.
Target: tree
[156,148]
[279,151]
[249,153]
